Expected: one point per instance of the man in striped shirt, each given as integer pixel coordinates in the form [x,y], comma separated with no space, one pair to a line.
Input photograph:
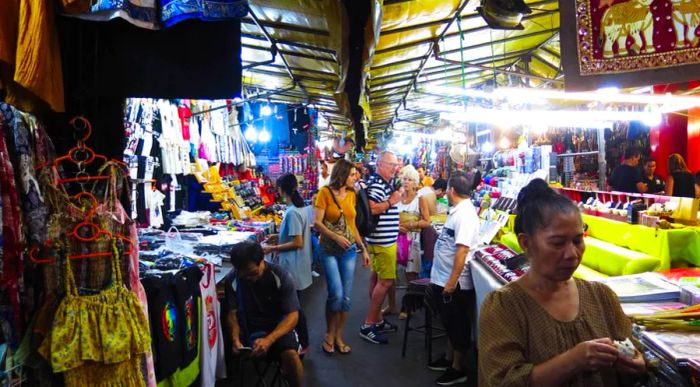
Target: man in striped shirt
[382,246]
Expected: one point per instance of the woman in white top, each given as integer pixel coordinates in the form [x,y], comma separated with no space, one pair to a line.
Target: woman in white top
[414,216]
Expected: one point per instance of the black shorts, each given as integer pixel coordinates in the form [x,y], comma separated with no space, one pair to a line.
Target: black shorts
[456,313]
[288,341]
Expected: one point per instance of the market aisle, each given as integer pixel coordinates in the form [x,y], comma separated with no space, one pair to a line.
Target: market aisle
[369,365]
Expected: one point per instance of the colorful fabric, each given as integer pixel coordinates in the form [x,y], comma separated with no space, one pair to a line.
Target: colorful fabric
[11,267]
[141,13]
[109,327]
[605,37]
[29,46]
[175,11]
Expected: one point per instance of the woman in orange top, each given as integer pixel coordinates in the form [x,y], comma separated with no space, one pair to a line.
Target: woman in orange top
[333,202]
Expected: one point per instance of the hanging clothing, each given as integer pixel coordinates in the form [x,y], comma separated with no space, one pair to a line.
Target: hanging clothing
[108,328]
[175,11]
[141,13]
[165,327]
[212,360]
[30,50]
[11,268]
[187,296]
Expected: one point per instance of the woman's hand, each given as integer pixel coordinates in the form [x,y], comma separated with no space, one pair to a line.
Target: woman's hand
[342,241]
[631,365]
[403,228]
[267,249]
[594,355]
[365,258]
[272,239]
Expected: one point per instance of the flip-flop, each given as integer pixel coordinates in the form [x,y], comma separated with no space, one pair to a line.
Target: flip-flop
[326,344]
[343,349]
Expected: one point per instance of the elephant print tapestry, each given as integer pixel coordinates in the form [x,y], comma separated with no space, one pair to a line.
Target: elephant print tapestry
[622,36]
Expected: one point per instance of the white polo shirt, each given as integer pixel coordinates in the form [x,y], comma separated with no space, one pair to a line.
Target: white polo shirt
[461,228]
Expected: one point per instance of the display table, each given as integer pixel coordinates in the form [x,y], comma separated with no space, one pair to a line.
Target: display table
[484,283]
[673,246]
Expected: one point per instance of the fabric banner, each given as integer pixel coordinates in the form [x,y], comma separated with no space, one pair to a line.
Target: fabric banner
[629,42]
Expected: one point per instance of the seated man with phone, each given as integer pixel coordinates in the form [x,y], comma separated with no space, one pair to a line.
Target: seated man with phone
[262,310]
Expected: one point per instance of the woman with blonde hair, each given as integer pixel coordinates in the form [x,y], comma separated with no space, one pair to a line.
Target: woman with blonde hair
[680,181]
[414,216]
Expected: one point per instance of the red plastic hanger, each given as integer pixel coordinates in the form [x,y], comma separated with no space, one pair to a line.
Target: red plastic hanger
[89,228]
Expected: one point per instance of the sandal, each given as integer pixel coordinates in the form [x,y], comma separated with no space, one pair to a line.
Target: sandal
[343,349]
[325,347]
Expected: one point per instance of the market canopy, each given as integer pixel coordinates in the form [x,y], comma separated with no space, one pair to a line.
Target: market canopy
[428,43]
[295,51]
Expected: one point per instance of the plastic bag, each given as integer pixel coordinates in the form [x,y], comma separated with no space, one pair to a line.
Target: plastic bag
[175,243]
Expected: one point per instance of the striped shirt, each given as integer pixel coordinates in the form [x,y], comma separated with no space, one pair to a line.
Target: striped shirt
[387,229]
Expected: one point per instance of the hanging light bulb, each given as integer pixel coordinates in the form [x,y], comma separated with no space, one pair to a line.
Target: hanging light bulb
[487,147]
[265,111]
[264,136]
[251,134]
[504,143]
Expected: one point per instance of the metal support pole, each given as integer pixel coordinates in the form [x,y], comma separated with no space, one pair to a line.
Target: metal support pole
[602,164]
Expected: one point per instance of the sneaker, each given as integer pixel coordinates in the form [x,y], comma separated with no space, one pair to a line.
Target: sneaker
[441,364]
[450,377]
[315,274]
[372,334]
[386,327]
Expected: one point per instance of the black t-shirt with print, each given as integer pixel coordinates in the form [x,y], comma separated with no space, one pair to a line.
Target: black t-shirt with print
[262,304]
[187,295]
[655,185]
[166,329]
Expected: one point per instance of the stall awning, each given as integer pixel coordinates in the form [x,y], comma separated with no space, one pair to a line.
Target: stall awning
[447,43]
[295,51]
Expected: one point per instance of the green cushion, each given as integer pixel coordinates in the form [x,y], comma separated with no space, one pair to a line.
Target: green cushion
[586,273]
[613,260]
[602,259]
[511,240]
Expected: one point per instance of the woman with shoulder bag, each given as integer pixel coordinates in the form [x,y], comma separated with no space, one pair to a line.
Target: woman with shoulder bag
[340,243]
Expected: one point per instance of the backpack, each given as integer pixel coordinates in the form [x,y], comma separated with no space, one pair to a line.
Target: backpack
[364,220]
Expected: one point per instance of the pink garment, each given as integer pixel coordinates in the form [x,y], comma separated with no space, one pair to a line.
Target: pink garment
[184,112]
[403,247]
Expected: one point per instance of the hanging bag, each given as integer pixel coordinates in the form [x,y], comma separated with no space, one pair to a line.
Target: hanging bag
[339,227]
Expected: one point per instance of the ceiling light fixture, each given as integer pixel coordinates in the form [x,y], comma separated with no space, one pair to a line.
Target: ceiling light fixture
[561,118]
[667,102]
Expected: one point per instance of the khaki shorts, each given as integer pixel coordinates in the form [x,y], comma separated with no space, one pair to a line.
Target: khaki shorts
[383,260]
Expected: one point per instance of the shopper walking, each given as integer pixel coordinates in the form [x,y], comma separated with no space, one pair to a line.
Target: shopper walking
[450,277]
[382,246]
[340,244]
[680,181]
[548,328]
[293,245]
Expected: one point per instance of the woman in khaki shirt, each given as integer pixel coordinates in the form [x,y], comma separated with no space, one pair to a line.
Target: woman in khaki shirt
[547,328]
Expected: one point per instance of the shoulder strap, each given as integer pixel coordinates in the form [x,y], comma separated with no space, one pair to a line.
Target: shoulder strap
[335,201]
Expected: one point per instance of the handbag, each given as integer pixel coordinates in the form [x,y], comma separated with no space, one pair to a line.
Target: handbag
[339,227]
